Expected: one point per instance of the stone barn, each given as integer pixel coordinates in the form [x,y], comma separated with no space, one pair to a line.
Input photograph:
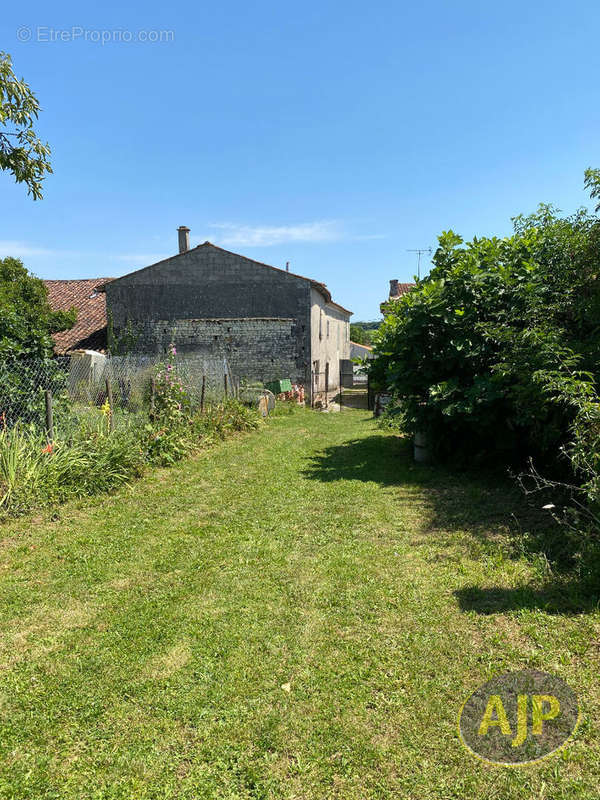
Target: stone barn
[267,322]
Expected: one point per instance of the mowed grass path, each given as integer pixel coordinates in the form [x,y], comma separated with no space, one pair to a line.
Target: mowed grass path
[297,613]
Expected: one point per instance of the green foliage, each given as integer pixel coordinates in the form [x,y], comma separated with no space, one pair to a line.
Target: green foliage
[363,332]
[92,459]
[358,335]
[26,325]
[26,319]
[592,183]
[22,153]
[495,354]
[33,472]
[90,455]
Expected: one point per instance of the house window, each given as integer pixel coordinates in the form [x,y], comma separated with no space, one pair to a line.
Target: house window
[321,324]
[328,329]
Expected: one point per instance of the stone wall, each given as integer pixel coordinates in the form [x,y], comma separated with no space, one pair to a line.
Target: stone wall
[256,348]
[202,293]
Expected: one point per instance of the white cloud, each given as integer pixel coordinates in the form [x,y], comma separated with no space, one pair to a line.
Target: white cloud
[235,235]
[18,249]
[22,250]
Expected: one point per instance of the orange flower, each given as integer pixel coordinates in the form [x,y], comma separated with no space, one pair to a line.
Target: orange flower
[49,448]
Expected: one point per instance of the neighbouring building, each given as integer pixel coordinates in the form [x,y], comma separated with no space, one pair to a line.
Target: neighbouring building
[360,350]
[397,290]
[267,322]
[89,331]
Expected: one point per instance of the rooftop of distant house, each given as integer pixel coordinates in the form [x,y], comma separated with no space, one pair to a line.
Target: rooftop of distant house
[89,331]
[397,290]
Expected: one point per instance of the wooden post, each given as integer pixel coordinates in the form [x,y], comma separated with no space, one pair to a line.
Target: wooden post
[49,416]
[202,394]
[341,386]
[152,396]
[225,384]
[326,382]
[109,397]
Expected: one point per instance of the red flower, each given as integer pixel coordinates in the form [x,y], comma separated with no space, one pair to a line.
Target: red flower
[48,449]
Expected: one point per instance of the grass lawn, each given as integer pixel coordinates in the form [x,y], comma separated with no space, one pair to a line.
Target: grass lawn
[297,613]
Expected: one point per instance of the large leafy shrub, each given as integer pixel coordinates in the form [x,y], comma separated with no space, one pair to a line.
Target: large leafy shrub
[495,354]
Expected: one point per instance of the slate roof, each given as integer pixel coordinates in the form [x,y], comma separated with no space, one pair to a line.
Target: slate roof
[89,332]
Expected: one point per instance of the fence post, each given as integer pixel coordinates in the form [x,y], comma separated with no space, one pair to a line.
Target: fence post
[341,386]
[202,394]
[326,383]
[225,384]
[49,416]
[109,397]
[152,396]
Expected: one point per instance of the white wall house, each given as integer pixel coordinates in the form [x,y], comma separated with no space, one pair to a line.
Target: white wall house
[329,342]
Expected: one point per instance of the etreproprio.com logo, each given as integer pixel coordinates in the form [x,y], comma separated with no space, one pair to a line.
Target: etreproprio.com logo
[102,36]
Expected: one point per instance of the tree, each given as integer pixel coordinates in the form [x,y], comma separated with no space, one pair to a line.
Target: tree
[26,319]
[492,353]
[592,182]
[26,346]
[22,153]
[358,335]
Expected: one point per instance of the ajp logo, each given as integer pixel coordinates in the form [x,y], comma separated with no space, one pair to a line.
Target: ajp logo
[518,717]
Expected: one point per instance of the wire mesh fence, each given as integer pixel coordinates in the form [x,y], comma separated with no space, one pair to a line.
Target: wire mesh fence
[79,385]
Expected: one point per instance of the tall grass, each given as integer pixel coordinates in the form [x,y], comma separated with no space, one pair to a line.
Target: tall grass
[91,459]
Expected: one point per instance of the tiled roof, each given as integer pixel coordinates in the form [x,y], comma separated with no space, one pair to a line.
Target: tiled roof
[403,288]
[89,332]
[399,289]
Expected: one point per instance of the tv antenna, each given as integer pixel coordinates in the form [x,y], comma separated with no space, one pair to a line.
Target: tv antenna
[420,251]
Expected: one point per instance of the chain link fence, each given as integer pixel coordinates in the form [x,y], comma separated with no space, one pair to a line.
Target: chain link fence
[65,390]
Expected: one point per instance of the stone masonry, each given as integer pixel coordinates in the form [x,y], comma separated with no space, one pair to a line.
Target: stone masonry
[256,348]
[210,301]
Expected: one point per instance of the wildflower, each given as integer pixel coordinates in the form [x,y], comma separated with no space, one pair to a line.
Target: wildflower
[105,409]
[49,448]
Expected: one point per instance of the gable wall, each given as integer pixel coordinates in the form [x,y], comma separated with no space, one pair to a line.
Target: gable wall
[183,299]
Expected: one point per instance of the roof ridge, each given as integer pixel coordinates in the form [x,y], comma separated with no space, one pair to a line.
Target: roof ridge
[318,284]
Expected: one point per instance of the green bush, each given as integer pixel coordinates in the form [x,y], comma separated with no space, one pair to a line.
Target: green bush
[495,355]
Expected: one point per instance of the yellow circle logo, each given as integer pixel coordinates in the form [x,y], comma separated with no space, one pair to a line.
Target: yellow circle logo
[518,717]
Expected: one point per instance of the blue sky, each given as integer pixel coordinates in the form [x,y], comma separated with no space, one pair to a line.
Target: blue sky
[334,135]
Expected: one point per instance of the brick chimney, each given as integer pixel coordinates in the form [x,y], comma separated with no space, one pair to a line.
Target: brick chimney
[394,288]
[184,238]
